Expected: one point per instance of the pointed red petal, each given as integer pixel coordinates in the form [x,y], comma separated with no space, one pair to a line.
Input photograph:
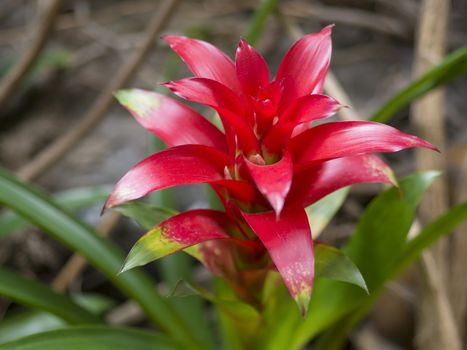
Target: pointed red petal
[288,241]
[346,138]
[303,110]
[305,66]
[205,60]
[176,233]
[223,100]
[181,165]
[171,121]
[317,181]
[252,70]
[309,108]
[274,180]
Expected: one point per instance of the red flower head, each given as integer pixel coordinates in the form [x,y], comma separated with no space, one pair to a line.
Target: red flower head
[266,167]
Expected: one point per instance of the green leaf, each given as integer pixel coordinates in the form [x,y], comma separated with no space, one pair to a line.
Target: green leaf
[322,212]
[382,230]
[73,199]
[452,67]
[146,214]
[374,248]
[93,338]
[100,252]
[429,234]
[335,337]
[29,322]
[34,294]
[333,264]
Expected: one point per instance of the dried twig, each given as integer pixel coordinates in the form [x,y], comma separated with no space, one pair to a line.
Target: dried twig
[57,150]
[350,16]
[19,71]
[75,265]
[60,147]
[332,84]
[436,325]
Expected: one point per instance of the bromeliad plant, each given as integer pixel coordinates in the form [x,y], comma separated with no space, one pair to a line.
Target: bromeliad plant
[269,163]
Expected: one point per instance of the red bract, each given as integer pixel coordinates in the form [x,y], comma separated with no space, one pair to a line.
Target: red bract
[267,165]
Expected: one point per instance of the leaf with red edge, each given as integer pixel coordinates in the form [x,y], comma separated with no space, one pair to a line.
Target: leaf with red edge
[180,165]
[177,233]
[252,70]
[274,180]
[288,241]
[205,60]
[305,65]
[347,138]
[317,181]
[171,121]
[303,110]
[215,95]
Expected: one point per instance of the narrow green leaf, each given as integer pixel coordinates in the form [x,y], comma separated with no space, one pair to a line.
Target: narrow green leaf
[259,19]
[382,230]
[452,67]
[74,199]
[93,338]
[335,337]
[146,214]
[35,294]
[431,233]
[322,212]
[333,264]
[100,252]
[374,247]
[30,322]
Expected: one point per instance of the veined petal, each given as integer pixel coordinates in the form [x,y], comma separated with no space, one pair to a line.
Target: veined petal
[317,181]
[274,180]
[176,233]
[205,60]
[288,241]
[223,100]
[252,70]
[346,138]
[303,110]
[181,165]
[171,121]
[305,65]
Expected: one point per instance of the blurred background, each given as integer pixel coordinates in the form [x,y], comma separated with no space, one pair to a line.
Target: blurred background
[60,127]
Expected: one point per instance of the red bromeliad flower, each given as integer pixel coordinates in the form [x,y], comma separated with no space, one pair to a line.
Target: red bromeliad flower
[266,167]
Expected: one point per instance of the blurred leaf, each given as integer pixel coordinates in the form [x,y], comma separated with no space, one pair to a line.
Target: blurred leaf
[35,294]
[73,199]
[33,321]
[336,336]
[374,247]
[146,214]
[322,212]
[382,230]
[47,61]
[333,264]
[452,67]
[259,19]
[93,338]
[430,234]
[100,252]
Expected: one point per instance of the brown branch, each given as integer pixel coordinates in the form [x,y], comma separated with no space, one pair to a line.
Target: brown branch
[332,85]
[350,16]
[436,327]
[24,65]
[60,147]
[76,263]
